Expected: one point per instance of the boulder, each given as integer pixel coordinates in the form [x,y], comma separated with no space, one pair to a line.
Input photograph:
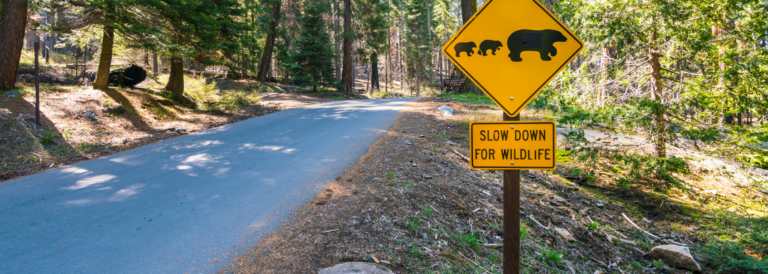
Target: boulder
[565,234]
[447,111]
[355,267]
[676,256]
[12,93]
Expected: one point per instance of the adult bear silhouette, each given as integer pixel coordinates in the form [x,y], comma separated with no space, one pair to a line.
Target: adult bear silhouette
[534,40]
[128,77]
[465,47]
[489,45]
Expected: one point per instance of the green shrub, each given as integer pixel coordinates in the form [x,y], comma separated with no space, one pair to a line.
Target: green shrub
[379,94]
[469,240]
[48,137]
[730,257]
[236,99]
[553,255]
[204,94]
[90,147]
[390,175]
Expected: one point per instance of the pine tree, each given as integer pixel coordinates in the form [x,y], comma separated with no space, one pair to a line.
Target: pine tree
[419,39]
[374,26]
[312,59]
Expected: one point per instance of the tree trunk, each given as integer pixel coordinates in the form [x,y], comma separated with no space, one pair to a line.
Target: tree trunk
[387,62]
[658,88]
[154,63]
[266,56]
[337,43]
[13,19]
[375,71]
[176,81]
[468,8]
[105,60]
[346,71]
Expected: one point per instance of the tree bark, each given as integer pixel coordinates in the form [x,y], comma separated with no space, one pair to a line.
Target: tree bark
[468,8]
[658,88]
[375,71]
[176,81]
[346,71]
[154,63]
[337,43]
[13,20]
[105,60]
[266,56]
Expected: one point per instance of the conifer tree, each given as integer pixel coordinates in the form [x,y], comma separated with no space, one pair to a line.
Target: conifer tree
[312,59]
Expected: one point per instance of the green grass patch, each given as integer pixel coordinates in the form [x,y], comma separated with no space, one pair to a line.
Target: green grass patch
[564,156]
[90,147]
[468,240]
[390,175]
[469,98]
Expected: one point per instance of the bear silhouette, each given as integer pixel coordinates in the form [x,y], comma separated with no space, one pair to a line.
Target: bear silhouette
[465,47]
[534,40]
[128,77]
[489,45]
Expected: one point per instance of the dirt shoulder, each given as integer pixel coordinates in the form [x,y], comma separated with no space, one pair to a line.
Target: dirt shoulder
[79,123]
[413,203]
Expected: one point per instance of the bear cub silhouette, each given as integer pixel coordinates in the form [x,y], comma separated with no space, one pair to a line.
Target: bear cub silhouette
[489,45]
[465,47]
[534,40]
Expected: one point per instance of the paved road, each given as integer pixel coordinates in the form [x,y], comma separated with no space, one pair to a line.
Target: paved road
[186,205]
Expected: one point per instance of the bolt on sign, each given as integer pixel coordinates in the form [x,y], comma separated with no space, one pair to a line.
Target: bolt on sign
[512,145]
[511,49]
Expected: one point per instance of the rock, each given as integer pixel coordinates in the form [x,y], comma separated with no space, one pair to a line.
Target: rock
[676,256]
[356,267]
[91,115]
[371,259]
[116,110]
[12,94]
[447,111]
[559,199]
[353,222]
[599,205]
[565,234]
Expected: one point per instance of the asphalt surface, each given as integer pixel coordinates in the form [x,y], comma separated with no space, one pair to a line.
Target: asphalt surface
[186,205]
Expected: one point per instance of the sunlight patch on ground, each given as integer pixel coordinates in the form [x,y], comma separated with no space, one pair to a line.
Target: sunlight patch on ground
[92,181]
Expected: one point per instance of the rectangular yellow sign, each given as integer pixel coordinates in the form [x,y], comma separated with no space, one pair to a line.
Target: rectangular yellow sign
[512,145]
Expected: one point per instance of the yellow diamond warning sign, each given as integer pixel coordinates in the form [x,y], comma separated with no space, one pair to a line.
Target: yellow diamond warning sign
[512,145]
[511,49]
